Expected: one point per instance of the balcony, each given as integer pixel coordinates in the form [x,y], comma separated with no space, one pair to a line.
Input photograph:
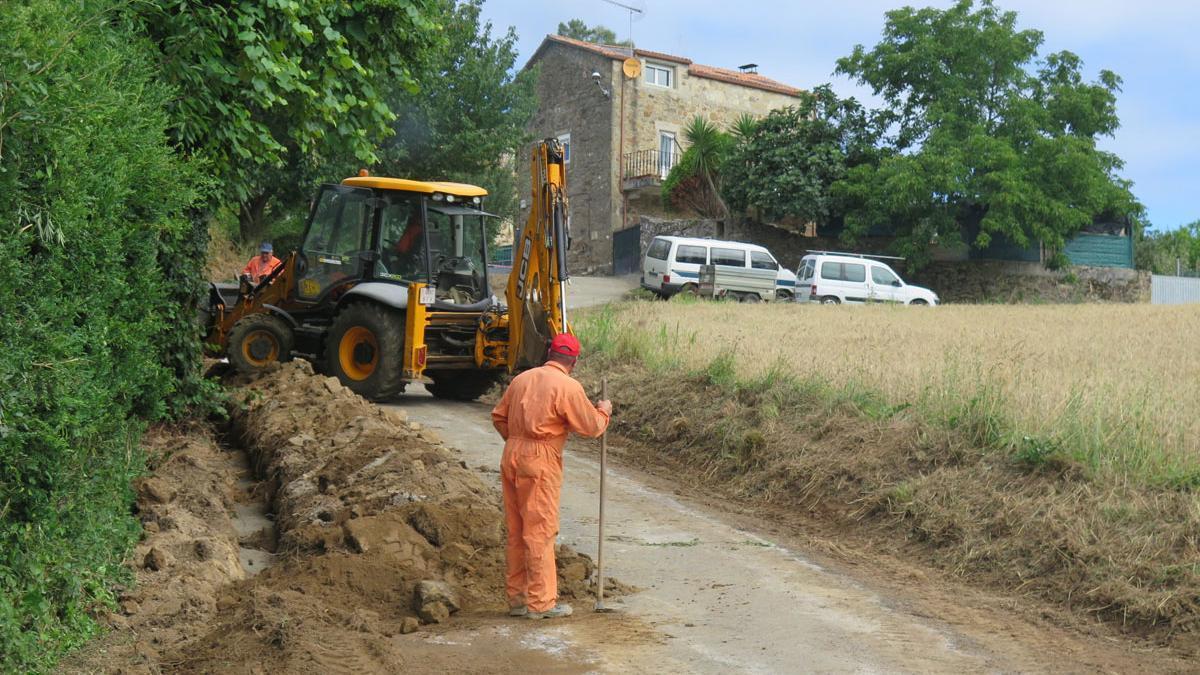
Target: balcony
[646,167]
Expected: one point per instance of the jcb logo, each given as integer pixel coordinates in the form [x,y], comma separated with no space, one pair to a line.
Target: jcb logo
[525,252]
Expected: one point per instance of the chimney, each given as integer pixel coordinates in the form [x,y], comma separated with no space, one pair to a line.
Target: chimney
[749,68]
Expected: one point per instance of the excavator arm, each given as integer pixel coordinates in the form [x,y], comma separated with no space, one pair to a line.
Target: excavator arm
[537,307]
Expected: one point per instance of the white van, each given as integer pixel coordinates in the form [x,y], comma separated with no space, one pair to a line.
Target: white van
[834,278]
[672,264]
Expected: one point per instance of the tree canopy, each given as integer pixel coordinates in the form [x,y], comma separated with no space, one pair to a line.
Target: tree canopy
[601,35]
[468,118]
[984,136]
[267,90]
[785,163]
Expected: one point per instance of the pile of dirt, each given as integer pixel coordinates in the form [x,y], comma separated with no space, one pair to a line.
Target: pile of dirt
[1125,553]
[379,531]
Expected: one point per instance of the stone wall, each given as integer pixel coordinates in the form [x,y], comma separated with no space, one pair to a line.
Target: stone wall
[993,281]
[651,109]
[570,102]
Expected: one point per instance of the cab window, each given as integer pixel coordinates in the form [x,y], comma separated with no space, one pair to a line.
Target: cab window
[695,255]
[762,261]
[402,240]
[883,276]
[731,257]
[338,234]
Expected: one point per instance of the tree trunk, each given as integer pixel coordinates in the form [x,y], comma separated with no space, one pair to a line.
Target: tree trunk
[724,208]
[250,219]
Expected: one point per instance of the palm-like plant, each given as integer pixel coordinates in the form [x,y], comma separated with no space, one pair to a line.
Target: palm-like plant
[698,172]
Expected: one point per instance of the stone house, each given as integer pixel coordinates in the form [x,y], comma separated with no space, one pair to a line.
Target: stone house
[623,134]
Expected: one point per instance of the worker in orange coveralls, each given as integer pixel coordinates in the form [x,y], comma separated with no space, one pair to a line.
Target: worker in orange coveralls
[262,264]
[539,409]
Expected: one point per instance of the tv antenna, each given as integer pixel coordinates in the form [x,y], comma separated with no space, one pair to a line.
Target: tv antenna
[635,8]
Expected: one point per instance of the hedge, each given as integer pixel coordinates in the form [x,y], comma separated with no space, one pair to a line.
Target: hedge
[100,264]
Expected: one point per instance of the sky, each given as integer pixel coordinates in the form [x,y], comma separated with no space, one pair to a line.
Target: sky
[1151,44]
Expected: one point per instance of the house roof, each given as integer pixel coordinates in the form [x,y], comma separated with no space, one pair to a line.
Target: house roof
[752,80]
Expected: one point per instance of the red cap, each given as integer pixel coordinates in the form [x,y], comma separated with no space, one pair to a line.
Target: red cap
[565,344]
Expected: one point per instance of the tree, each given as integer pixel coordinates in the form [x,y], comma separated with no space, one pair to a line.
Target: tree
[695,181]
[1167,252]
[784,165]
[986,138]
[467,121]
[270,92]
[601,35]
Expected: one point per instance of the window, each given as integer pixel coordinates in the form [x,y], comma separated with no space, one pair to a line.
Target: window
[762,261]
[659,75]
[884,277]
[659,249]
[565,139]
[666,152]
[693,255]
[838,271]
[806,270]
[731,257]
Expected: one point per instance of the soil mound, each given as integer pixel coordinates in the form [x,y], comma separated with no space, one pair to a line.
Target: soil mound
[379,530]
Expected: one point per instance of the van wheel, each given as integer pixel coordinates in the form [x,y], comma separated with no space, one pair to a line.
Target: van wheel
[688,291]
[918,301]
[750,298]
[830,300]
[783,295]
[365,350]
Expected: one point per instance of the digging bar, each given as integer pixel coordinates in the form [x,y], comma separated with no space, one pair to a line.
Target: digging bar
[600,544]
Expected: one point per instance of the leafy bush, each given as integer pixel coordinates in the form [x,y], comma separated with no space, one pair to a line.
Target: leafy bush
[98,278]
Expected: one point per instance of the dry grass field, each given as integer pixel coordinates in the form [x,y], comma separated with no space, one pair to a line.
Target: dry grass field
[1116,387]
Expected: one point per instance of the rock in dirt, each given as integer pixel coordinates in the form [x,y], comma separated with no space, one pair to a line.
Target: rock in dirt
[409,625]
[156,559]
[155,490]
[434,601]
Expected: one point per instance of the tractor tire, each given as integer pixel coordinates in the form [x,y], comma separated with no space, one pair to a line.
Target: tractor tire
[364,350]
[259,340]
[461,385]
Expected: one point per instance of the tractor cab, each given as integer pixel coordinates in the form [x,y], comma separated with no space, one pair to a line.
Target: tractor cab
[378,235]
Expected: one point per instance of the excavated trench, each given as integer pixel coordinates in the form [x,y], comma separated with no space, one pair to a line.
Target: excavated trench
[316,532]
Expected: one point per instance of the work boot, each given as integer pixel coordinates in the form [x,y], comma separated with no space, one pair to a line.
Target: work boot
[556,612]
[519,610]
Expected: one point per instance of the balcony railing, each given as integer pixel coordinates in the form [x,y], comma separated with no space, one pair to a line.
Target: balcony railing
[649,163]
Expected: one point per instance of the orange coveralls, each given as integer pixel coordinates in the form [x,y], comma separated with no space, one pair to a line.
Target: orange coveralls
[539,409]
[257,269]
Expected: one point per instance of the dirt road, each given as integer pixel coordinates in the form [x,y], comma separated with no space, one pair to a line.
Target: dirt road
[714,597]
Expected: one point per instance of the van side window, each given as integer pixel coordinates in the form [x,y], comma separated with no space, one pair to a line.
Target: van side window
[838,271]
[659,249]
[882,276]
[728,256]
[695,255]
[762,261]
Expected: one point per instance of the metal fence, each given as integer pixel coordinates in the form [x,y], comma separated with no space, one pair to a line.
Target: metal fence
[649,163]
[1166,290]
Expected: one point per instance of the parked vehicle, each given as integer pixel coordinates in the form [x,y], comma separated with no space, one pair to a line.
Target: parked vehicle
[835,278]
[672,265]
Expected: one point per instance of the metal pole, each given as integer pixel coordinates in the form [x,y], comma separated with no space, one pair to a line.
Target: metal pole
[600,543]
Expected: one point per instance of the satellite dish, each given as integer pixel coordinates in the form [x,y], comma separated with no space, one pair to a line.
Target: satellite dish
[632,67]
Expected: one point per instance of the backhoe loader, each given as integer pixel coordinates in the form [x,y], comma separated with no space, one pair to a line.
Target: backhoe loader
[390,286]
